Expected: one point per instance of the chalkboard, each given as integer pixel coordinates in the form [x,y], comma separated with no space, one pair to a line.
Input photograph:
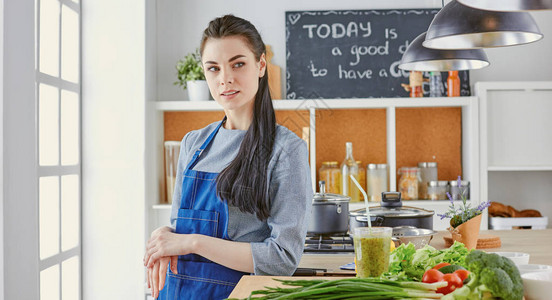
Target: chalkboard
[353,53]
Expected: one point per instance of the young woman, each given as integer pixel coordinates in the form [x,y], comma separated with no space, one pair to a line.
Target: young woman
[245,191]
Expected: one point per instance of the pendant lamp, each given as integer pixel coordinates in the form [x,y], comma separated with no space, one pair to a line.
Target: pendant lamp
[457,26]
[419,58]
[508,5]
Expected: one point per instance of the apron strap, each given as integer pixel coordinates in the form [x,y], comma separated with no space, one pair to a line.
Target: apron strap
[199,151]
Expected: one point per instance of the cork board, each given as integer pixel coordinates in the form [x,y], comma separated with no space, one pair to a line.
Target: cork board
[430,134]
[365,128]
[177,124]
[423,134]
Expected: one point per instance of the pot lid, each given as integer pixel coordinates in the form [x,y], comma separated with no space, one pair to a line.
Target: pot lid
[329,197]
[394,212]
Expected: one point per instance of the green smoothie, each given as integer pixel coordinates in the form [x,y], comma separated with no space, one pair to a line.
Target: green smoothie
[372,255]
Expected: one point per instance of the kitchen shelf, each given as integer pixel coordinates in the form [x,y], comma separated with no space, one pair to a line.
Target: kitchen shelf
[519,168]
[307,104]
[161,206]
[312,107]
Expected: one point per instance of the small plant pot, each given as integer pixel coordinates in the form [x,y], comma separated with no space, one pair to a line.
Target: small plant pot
[198,90]
[467,233]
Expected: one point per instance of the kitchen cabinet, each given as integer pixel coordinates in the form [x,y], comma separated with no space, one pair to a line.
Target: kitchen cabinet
[516,143]
[158,214]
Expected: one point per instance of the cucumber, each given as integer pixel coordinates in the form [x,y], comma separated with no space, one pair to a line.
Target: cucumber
[451,269]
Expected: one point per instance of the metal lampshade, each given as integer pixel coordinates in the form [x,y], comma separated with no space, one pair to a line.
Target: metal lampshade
[508,5]
[419,58]
[458,26]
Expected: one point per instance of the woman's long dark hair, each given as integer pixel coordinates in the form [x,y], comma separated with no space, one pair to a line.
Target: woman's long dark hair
[243,183]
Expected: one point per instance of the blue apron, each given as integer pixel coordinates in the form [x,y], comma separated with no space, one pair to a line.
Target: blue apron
[201,212]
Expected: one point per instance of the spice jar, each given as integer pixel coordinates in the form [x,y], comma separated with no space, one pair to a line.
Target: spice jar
[428,172]
[331,174]
[456,191]
[376,175]
[409,182]
[437,190]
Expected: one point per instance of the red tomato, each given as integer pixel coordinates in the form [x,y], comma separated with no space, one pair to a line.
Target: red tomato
[463,274]
[432,275]
[454,282]
[438,266]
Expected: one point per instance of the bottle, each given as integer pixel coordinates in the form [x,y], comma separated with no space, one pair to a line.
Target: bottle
[349,167]
[453,82]
[435,85]
[331,174]
[361,177]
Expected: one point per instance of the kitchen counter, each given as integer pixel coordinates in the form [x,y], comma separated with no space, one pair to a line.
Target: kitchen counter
[535,242]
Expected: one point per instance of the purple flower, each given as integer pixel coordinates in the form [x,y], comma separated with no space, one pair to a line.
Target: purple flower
[483,205]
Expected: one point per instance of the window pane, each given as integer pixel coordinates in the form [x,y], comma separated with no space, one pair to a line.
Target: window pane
[49,37]
[69,128]
[48,125]
[70,279]
[49,283]
[69,44]
[69,212]
[49,216]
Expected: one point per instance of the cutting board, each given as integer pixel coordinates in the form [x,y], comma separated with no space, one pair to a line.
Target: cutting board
[250,283]
[484,241]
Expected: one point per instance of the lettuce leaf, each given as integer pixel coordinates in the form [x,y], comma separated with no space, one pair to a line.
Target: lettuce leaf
[407,263]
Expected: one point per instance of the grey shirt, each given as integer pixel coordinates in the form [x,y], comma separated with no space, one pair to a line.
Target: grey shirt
[277,243]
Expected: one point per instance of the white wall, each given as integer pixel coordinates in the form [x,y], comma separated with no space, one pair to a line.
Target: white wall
[113,111]
[181,23]
[20,196]
[2,150]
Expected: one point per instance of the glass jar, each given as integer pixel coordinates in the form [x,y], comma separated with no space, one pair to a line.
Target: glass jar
[331,174]
[172,152]
[428,172]
[349,167]
[409,182]
[437,190]
[376,175]
[456,191]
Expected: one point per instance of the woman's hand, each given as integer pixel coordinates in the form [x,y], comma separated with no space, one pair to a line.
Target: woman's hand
[156,275]
[165,243]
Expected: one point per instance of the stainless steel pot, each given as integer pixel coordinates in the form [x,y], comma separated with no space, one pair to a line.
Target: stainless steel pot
[329,213]
[391,213]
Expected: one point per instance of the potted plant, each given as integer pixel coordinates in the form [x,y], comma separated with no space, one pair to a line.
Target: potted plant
[191,77]
[464,220]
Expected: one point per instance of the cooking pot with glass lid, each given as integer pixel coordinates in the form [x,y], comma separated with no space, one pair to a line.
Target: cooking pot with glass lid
[392,213]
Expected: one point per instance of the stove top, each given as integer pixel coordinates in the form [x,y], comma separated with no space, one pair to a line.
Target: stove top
[328,243]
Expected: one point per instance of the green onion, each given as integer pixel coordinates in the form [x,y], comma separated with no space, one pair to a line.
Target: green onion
[350,288]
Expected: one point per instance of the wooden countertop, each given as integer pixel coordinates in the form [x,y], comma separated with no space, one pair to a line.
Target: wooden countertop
[538,243]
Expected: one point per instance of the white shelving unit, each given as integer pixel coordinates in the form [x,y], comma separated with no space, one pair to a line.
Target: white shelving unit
[516,143]
[470,128]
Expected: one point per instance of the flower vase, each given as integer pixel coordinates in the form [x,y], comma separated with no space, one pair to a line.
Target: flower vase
[467,233]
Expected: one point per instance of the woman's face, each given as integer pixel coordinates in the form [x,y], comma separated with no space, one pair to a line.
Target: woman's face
[232,72]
